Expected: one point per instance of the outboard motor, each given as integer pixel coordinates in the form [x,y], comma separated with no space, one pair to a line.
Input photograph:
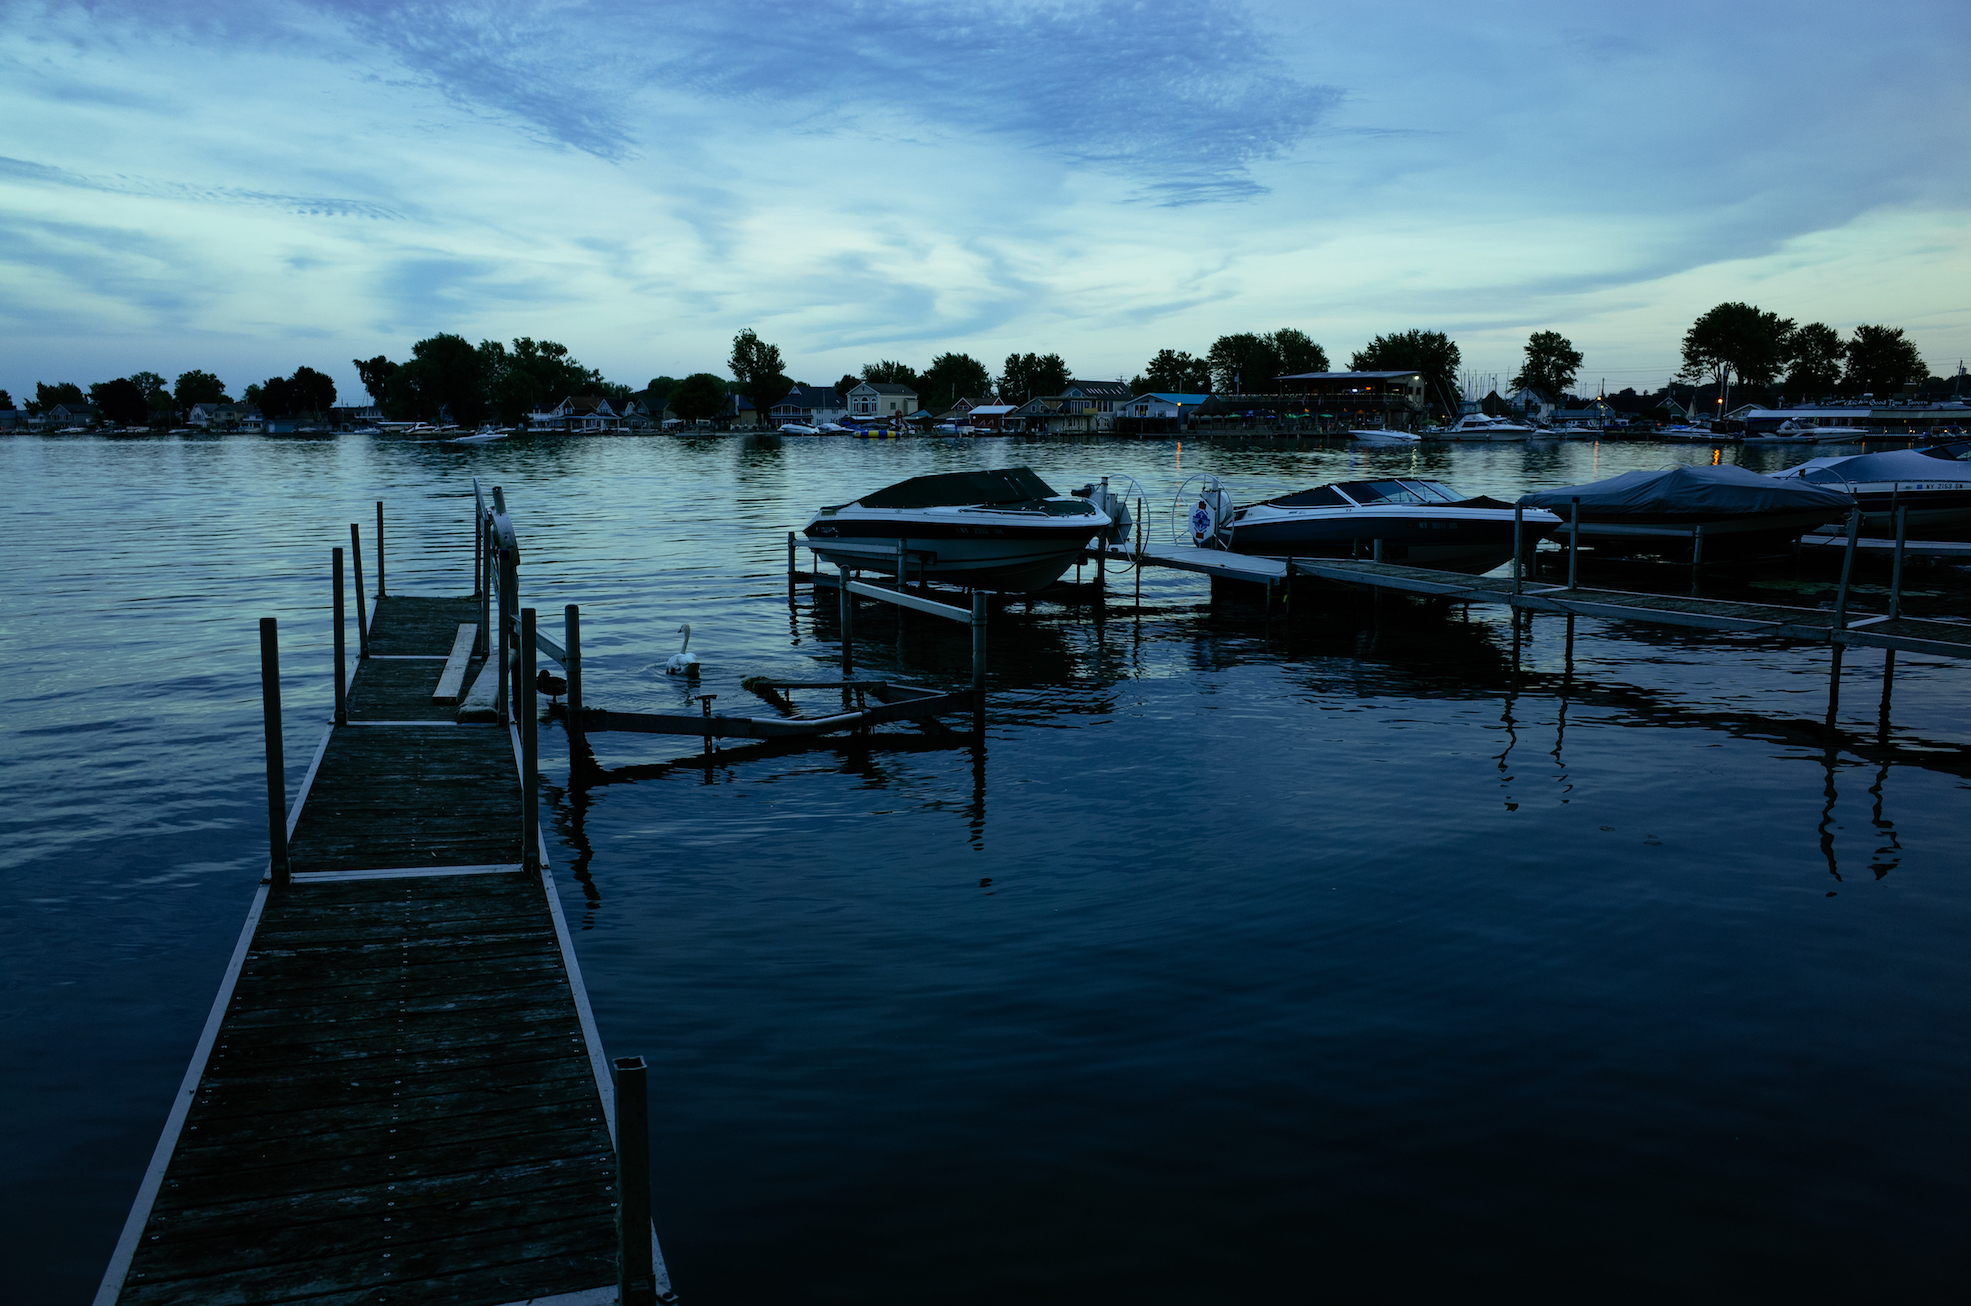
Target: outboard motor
[1114,505]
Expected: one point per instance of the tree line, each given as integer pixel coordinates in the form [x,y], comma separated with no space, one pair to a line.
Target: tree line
[1742,344]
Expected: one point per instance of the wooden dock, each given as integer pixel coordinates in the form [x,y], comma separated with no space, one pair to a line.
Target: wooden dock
[400,1094]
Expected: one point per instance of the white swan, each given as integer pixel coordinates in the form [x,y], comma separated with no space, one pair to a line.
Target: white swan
[683,663]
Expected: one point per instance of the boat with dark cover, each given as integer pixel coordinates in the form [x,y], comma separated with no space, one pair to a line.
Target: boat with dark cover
[1420,524]
[1933,485]
[1004,529]
[1663,511]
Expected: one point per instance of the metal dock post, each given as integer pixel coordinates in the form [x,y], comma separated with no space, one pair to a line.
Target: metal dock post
[270,711]
[1847,568]
[979,659]
[1896,569]
[636,1275]
[362,607]
[848,626]
[571,632]
[1573,542]
[341,651]
[530,749]
[381,591]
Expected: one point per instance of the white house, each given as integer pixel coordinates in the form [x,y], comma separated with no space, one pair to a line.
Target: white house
[812,404]
[577,415]
[1160,405]
[1095,402]
[879,401]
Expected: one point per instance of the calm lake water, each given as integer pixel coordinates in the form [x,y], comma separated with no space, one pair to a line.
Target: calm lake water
[1344,957]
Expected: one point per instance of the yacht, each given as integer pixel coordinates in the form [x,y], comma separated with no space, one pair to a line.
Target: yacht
[994,530]
[1420,523]
[1477,426]
[1736,510]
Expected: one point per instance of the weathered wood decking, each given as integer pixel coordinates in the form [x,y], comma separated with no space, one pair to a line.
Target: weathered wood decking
[399,1095]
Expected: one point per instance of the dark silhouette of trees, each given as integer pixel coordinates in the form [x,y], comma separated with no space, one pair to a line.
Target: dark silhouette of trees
[1881,360]
[891,372]
[1030,376]
[199,388]
[49,396]
[952,377]
[761,374]
[1173,371]
[376,375]
[532,375]
[846,384]
[1816,361]
[121,401]
[1247,362]
[1552,363]
[698,396]
[1737,341]
[1432,353]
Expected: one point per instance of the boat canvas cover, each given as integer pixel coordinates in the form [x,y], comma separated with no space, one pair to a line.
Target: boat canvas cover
[1894,465]
[1007,485]
[1690,491]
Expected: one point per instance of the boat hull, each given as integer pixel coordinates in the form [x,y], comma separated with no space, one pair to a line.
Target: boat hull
[1675,535]
[1470,541]
[1013,558]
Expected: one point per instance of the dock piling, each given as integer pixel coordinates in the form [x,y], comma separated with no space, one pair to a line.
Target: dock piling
[1847,569]
[1573,542]
[793,590]
[1696,555]
[848,626]
[530,748]
[341,650]
[637,1276]
[1518,533]
[503,695]
[1375,549]
[270,710]
[1896,568]
[979,659]
[571,633]
[381,592]
[362,608]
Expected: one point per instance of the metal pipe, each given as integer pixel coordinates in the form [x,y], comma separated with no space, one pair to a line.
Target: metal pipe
[848,625]
[362,612]
[636,1282]
[792,588]
[1847,568]
[1375,552]
[482,559]
[530,749]
[380,591]
[503,695]
[1896,572]
[341,651]
[270,711]
[571,635]
[478,556]
[1573,541]
[1696,554]
[1518,530]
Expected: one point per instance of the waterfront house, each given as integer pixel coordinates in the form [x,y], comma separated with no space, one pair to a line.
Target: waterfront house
[875,401]
[249,420]
[347,417]
[1156,413]
[1091,405]
[1042,415]
[577,415]
[62,416]
[11,419]
[1531,404]
[986,416]
[810,404]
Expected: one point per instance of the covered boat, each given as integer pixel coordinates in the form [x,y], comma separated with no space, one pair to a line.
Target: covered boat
[1663,511]
[1935,487]
[996,530]
[1420,523]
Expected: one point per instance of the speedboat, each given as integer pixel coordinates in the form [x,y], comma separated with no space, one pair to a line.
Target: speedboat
[1694,435]
[1734,509]
[996,530]
[1380,436]
[1793,432]
[798,428]
[1935,487]
[1420,523]
[1477,426]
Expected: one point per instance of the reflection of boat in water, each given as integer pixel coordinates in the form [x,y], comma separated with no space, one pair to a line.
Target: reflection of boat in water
[1477,426]
[1935,488]
[1661,511]
[1421,523]
[995,530]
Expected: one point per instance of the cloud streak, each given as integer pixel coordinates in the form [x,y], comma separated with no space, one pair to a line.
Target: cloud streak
[314,206]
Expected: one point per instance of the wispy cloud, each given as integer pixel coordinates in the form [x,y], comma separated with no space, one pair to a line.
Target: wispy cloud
[321,206]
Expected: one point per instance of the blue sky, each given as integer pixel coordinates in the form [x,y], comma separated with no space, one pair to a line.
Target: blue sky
[248,186]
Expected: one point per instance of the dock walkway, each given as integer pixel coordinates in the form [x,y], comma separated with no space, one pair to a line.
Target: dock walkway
[399,1095]
[1946,638]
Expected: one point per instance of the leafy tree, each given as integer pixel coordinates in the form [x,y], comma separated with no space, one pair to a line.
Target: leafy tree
[533,375]
[1552,362]
[62,392]
[952,377]
[6,400]
[1242,363]
[1817,352]
[445,375]
[846,384]
[889,372]
[1296,352]
[1029,376]
[1737,340]
[1881,361]
[275,397]
[698,396]
[761,374]
[1430,352]
[1173,371]
[199,388]
[658,391]
[122,401]
[310,391]
[376,375]
[151,384]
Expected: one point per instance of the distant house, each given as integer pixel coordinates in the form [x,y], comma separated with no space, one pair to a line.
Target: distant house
[1042,415]
[1532,403]
[62,416]
[637,415]
[1158,412]
[11,418]
[738,410]
[810,404]
[577,415]
[250,420]
[878,401]
[347,417]
[986,417]
[1094,403]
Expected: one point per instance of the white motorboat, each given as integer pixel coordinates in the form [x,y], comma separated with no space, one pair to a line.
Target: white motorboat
[1694,435]
[1419,523]
[1477,426]
[1379,436]
[798,428]
[1793,432]
[995,530]
[1935,487]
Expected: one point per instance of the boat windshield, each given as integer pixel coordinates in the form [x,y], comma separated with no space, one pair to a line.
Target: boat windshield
[1378,492]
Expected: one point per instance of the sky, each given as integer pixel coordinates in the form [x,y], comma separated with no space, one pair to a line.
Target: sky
[245,186]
